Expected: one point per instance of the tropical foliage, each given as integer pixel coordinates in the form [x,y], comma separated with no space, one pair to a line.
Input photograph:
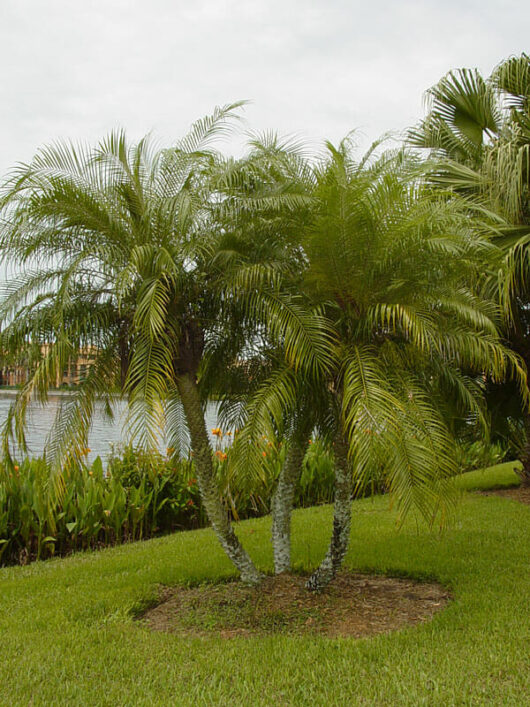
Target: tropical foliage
[362,299]
[126,503]
[393,265]
[137,495]
[478,133]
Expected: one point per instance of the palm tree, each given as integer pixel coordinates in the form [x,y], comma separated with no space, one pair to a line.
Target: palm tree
[478,132]
[168,262]
[391,264]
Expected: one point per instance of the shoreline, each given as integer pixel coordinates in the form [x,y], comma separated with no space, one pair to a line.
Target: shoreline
[52,392]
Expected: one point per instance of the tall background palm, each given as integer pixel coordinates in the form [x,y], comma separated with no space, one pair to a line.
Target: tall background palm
[478,131]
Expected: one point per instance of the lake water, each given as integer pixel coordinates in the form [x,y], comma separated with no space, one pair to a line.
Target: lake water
[103,433]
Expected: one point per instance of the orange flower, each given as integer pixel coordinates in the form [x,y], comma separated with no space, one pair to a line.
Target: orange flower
[91,473]
[264,454]
[190,503]
[217,432]
[220,455]
[16,467]
[192,482]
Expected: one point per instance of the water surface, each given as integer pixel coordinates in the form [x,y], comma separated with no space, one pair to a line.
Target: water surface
[103,433]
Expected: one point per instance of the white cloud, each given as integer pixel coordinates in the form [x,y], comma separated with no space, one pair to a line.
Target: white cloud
[77,69]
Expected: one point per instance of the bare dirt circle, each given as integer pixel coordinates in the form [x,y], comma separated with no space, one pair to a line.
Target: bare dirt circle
[357,605]
[515,493]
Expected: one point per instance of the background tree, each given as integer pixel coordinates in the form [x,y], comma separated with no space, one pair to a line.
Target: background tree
[478,131]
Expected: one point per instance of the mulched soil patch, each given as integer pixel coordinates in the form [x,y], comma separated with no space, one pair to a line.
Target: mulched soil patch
[355,605]
[517,493]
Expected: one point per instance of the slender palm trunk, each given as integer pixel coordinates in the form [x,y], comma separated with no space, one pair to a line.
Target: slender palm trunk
[340,537]
[525,456]
[521,345]
[208,488]
[283,498]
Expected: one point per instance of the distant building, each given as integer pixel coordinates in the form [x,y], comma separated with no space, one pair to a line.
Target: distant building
[73,374]
[13,375]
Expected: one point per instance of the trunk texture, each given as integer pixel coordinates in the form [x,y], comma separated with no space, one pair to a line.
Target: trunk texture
[283,499]
[208,488]
[520,343]
[525,456]
[340,536]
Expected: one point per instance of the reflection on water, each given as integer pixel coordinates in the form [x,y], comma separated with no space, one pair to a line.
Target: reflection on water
[103,432]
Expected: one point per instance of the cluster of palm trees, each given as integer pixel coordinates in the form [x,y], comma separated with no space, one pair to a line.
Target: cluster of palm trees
[371,300]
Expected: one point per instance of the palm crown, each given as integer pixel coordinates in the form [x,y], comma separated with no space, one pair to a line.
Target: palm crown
[483,153]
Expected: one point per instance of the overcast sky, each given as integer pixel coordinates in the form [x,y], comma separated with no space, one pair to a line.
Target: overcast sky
[77,68]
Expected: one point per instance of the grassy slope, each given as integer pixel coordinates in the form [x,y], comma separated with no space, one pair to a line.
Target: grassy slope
[501,476]
[68,636]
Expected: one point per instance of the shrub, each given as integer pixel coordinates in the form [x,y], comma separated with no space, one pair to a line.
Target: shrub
[480,454]
[136,496]
[84,507]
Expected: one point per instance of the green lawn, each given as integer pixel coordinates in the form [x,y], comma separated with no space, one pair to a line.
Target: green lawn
[501,476]
[68,636]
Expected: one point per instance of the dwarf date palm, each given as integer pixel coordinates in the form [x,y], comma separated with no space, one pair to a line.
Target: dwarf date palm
[392,266]
[150,259]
